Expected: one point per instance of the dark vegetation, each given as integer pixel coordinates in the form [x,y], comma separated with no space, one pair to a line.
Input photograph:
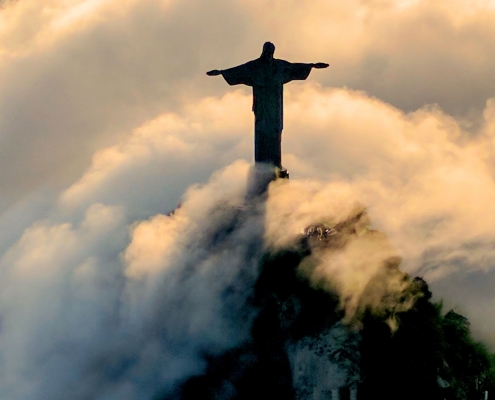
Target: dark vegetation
[431,355]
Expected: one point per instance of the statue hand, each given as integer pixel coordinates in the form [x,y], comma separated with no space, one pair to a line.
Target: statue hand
[213,72]
[320,65]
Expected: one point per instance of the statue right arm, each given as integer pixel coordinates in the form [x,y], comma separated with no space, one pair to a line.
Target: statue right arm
[214,72]
[239,75]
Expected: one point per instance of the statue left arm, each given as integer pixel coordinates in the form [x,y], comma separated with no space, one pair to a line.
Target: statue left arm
[320,65]
[299,71]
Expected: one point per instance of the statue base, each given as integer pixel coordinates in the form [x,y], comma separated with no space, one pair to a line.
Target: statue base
[282,173]
[260,176]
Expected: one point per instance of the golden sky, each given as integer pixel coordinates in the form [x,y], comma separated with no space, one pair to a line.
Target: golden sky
[107,117]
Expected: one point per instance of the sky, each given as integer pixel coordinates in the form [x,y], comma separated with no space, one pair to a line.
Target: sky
[108,122]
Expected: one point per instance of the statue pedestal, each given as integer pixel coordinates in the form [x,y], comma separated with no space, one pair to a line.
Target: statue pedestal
[283,173]
[260,176]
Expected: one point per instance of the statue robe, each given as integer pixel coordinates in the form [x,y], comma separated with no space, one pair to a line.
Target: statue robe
[267,78]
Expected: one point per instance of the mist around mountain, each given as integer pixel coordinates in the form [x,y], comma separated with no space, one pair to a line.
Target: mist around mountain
[289,295]
[311,337]
[424,353]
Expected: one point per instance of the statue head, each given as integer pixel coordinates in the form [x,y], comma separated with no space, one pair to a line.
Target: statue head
[268,50]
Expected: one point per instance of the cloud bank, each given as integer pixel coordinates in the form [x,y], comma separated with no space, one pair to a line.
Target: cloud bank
[107,118]
[97,300]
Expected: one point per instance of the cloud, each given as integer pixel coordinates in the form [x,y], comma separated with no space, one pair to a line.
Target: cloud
[406,53]
[97,308]
[89,312]
[425,181]
[61,285]
[165,155]
[377,164]
[77,76]
[107,117]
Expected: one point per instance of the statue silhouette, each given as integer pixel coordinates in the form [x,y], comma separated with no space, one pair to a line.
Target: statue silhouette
[267,76]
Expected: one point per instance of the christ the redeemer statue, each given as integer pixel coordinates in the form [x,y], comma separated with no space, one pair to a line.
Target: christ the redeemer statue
[267,76]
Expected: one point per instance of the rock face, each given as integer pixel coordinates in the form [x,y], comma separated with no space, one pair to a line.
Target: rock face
[326,365]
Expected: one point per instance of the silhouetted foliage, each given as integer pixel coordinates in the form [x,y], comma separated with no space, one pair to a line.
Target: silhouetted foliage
[430,356]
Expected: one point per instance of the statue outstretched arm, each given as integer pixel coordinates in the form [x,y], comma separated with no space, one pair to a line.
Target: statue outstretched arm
[235,75]
[319,65]
[214,72]
[298,71]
